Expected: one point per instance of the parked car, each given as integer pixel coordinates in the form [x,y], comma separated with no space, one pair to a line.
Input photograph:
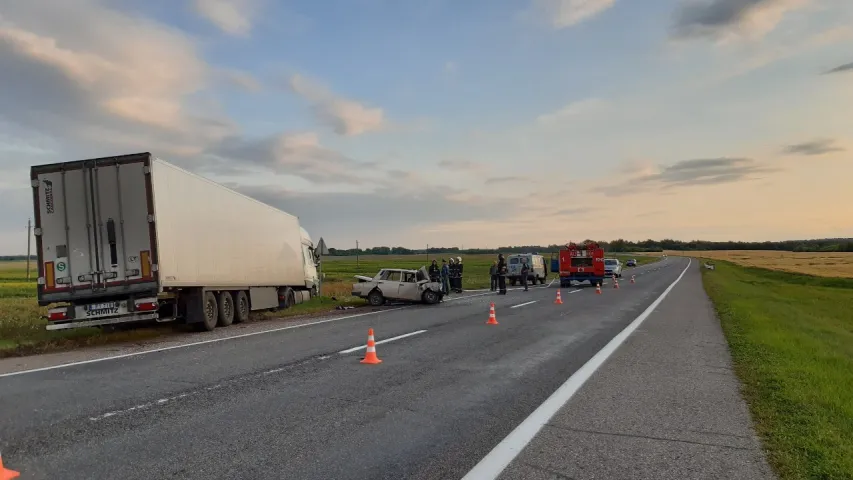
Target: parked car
[631,263]
[538,271]
[398,284]
[612,266]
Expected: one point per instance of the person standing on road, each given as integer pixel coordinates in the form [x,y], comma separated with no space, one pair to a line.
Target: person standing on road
[493,276]
[501,274]
[458,274]
[525,271]
[434,272]
[445,277]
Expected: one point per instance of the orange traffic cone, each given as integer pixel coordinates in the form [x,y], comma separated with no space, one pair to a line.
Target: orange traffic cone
[598,288]
[615,283]
[5,473]
[492,319]
[559,300]
[632,279]
[370,357]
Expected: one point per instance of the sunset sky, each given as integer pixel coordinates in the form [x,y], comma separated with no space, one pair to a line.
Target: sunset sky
[476,123]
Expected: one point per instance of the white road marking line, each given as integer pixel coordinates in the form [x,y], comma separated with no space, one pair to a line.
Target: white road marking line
[203,342]
[398,337]
[215,340]
[491,466]
[576,291]
[523,304]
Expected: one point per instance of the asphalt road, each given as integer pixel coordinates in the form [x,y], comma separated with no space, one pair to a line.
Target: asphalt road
[288,404]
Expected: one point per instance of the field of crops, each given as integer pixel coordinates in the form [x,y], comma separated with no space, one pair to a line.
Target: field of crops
[821,264]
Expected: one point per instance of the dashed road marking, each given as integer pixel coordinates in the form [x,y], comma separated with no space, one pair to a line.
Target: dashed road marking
[523,304]
[398,337]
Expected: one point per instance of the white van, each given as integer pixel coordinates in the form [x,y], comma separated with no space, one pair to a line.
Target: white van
[538,271]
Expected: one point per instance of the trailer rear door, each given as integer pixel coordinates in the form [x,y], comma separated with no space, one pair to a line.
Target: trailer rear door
[94,234]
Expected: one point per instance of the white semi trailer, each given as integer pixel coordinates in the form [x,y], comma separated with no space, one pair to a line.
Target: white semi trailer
[134,238]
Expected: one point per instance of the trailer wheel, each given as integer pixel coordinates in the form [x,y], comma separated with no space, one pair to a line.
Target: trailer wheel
[375,298]
[226,309]
[241,307]
[209,313]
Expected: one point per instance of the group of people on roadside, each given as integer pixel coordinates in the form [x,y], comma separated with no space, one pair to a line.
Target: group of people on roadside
[498,272]
[449,274]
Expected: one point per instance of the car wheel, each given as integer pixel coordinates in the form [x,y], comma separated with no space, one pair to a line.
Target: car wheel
[375,298]
[430,297]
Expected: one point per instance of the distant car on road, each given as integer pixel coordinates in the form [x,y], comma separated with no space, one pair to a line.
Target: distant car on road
[631,263]
[398,284]
[612,266]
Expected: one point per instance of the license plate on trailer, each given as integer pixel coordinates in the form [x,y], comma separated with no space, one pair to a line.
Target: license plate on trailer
[104,309]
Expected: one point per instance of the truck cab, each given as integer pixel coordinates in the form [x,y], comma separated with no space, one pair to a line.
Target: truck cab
[582,262]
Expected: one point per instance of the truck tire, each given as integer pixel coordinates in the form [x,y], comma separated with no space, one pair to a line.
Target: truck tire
[289,297]
[226,309]
[241,307]
[375,298]
[209,313]
[430,297]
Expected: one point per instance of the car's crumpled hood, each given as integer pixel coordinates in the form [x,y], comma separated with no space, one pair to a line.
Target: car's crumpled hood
[362,278]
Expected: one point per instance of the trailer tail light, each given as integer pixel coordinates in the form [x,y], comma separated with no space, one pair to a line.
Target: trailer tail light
[55,314]
[49,275]
[147,305]
[145,261]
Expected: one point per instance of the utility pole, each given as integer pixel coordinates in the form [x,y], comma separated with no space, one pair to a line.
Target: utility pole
[427,253]
[356,254]
[29,236]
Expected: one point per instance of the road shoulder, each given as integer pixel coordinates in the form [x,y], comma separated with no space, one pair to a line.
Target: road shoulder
[667,404]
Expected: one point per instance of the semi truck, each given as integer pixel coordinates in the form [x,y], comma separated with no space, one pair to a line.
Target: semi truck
[133,238]
[582,262]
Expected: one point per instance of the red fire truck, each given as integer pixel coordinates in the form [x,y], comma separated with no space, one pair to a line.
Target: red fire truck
[581,262]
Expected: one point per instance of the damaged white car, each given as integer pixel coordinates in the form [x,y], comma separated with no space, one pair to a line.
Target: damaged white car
[397,284]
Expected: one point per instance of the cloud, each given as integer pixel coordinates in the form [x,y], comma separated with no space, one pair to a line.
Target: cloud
[241,80]
[298,154]
[467,166]
[726,18]
[570,111]
[847,67]
[508,179]
[394,213]
[814,147]
[345,117]
[69,83]
[567,13]
[687,173]
[233,17]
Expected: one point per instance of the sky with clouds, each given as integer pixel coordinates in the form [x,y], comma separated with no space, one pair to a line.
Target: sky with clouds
[477,123]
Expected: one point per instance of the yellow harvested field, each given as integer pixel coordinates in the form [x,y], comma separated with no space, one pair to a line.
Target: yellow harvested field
[823,264]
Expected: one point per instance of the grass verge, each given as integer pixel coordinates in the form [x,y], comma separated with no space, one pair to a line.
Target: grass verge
[791,338]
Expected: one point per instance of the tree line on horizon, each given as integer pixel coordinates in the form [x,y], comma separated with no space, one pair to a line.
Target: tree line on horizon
[615,246]
[623,246]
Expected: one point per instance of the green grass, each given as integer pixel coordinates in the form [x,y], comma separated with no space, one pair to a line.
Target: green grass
[22,320]
[791,338]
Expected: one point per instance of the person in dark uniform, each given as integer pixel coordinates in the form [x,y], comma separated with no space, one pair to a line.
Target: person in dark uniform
[445,277]
[459,270]
[434,272]
[501,274]
[525,271]
[493,275]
